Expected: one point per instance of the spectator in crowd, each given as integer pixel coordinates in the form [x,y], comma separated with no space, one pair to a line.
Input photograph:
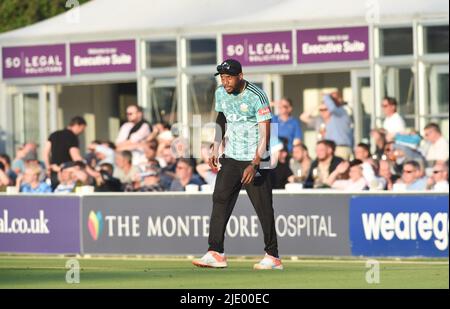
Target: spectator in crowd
[369,166]
[437,146]
[404,154]
[386,170]
[412,177]
[18,165]
[339,126]
[204,170]
[393,122]
[289,127]
[104,180]
[104,154]
[29,181]
[282,171]
[63,146]
[439,180]
[6,161]
[324,164]
[125,171]
[4,179]
[348,176]
[150,182]
[66,178]
[133,132]
[300,163]
[379,138]
[184,176]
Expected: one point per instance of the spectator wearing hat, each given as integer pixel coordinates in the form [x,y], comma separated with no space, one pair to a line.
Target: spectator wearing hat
[105,181]
[150,182]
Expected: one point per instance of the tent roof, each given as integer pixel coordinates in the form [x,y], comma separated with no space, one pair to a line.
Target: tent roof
[124,19]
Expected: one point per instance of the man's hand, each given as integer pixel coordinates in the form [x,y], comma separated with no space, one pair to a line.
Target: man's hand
[249,175]
[213,162]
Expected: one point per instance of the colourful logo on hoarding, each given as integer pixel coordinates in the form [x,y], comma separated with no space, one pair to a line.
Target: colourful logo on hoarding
[95,224]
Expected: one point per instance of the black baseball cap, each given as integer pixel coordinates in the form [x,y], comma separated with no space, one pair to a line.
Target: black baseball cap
[229,67]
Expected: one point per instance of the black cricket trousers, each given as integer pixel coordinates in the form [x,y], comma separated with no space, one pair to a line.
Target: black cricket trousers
[226,193]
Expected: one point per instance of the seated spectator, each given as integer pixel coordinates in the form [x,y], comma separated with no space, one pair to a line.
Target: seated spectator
[412,177]
[125,171]
[18,165]
[386,170]
[369,166]
[300,163]
[4,179]
[404,154]
[29,181]
[281,172]
[150,182]
[204,170]
[6,161]
[105,182]
[439,180]
[437,146]
[325,163]
[348,177]
[66,178]
[379,138]
[184,176]
[104,154]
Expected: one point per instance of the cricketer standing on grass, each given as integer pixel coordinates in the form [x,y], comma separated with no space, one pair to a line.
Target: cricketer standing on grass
[244,109]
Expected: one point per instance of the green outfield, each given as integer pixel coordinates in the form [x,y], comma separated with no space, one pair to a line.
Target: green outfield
[50,272]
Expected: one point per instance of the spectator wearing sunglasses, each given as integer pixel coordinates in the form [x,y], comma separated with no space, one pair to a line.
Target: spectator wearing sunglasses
[439,180]
[412,177]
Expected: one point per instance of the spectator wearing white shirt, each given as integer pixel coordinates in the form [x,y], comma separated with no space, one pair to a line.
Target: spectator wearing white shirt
[393,123]
[351,177]
[439,180]
[437,148]
[133,133]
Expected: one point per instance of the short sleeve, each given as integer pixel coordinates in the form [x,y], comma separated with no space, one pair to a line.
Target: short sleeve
[263,111]
[218,100]
[73,141]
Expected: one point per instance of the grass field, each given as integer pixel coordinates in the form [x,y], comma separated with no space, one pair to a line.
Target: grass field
[50,272]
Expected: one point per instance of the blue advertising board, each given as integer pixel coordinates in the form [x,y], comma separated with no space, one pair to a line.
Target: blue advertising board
[399,226]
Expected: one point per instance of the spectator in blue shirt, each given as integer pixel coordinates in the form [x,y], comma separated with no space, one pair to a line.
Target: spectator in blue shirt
[29,182]
[289,128]
[412,177]
[339,126]
[185,176]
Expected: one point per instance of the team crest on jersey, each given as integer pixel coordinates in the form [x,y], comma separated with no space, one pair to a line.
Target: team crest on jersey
[244,108]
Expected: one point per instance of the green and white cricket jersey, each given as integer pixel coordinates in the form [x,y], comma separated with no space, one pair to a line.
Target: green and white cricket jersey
[243,111]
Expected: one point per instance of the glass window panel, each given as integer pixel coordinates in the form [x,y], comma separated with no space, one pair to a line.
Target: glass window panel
[396,41]
[201,52]
[436,38]
[161,54]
